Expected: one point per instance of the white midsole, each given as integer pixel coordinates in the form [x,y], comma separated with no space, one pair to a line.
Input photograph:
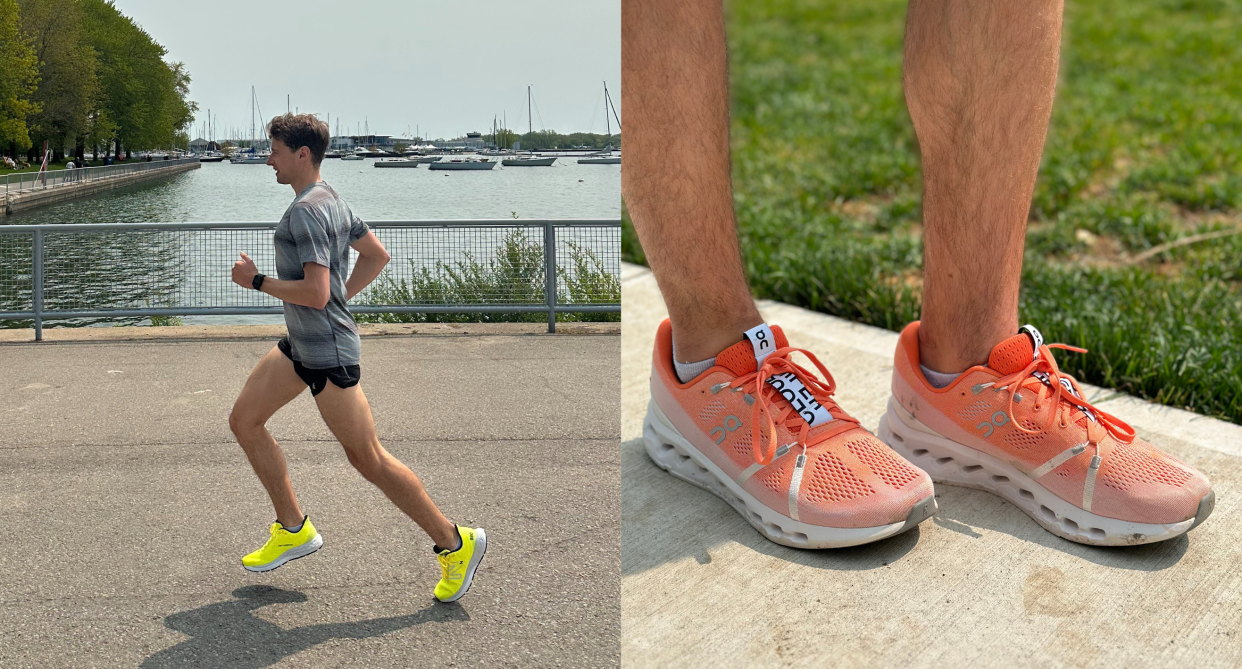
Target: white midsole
[950,462]
[291,554]
[671,451]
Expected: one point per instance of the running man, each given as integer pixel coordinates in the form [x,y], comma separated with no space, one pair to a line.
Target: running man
[976,401]
[322,350]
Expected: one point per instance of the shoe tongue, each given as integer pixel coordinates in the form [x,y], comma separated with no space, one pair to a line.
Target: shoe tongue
[1016,352]
[741,358]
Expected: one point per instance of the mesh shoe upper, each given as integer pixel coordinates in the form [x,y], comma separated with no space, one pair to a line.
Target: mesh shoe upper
[1021,409]
[849,477]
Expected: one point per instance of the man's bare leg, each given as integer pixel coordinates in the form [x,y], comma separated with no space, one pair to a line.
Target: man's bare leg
[348,416]
[271,385]
[979,81]
[676,178]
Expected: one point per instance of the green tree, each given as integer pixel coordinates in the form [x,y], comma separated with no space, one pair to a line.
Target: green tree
[143,98]
[68,86]
[550,139]
[19,75]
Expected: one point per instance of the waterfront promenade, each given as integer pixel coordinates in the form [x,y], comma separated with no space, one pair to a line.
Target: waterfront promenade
[979,584]
[23,191]
[126,505]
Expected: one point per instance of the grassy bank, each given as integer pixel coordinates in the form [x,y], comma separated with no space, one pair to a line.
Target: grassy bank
[1131,251]
[33,168]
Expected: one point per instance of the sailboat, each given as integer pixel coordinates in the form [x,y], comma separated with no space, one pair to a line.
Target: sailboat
[605,157]
[533,160]
[250,156]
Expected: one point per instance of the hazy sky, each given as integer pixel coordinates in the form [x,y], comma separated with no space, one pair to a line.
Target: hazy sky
[446,66]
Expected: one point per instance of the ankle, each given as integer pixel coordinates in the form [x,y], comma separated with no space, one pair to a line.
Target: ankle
[954,354]
[691,344]
[452,540]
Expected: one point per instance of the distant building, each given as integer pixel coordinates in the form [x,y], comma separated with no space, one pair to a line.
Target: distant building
[472,140]
[379,141]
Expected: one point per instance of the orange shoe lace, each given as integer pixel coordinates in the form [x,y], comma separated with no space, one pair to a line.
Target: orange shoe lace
[1099,421]
[755,383]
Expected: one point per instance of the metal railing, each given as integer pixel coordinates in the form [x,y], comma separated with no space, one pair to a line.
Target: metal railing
[92,271]
[26,182]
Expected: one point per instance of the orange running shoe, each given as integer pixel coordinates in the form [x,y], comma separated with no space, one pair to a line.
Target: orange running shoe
[1020,428]
[765,435]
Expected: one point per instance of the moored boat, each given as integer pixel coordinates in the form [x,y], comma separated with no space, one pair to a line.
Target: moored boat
[463,164]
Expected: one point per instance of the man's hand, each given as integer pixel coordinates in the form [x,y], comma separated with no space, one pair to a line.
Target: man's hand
[244,271]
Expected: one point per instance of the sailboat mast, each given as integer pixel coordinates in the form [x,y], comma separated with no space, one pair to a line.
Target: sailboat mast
[530,129]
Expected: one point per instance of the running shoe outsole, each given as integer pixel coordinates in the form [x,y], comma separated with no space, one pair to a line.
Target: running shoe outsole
[290,555]
[480,548]
[670,451]
[955,464]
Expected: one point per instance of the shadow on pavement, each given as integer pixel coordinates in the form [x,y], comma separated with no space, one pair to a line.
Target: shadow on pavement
[227,634]
[962,514]
[654,528]
[662,522]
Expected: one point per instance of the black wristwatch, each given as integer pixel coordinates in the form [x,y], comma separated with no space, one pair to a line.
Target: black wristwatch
[257,282]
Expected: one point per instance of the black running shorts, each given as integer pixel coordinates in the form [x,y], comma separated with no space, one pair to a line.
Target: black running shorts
[317,379]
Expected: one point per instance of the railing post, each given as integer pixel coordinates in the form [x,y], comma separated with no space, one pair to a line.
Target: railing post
[549,280]
[36,280]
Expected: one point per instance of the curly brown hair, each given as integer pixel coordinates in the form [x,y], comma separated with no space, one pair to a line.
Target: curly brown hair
[298,130]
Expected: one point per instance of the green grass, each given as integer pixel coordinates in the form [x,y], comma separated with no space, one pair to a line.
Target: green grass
[33,168]
[514,276]
[1144,148]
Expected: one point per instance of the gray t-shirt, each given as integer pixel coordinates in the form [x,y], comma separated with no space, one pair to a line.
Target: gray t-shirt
[319,227]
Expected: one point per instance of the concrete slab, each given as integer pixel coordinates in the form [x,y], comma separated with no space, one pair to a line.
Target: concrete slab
[126,505]
[980,584]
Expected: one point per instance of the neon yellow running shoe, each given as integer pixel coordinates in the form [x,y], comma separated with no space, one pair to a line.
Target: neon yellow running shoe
[457,567]
[284,546]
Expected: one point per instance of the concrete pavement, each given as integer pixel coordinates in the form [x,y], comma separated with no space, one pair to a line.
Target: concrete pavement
[126,505]
[979,584]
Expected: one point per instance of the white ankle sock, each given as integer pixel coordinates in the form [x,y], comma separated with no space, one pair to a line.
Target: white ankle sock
[688,371]
[938,379]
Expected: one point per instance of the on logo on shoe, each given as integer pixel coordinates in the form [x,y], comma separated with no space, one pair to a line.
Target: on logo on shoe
[803,402]
[998,419]
[731,423]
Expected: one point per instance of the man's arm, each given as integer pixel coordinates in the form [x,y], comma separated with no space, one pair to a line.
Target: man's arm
[312,291]
[372,256]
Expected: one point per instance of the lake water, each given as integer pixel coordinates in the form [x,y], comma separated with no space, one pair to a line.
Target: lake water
[227,192]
